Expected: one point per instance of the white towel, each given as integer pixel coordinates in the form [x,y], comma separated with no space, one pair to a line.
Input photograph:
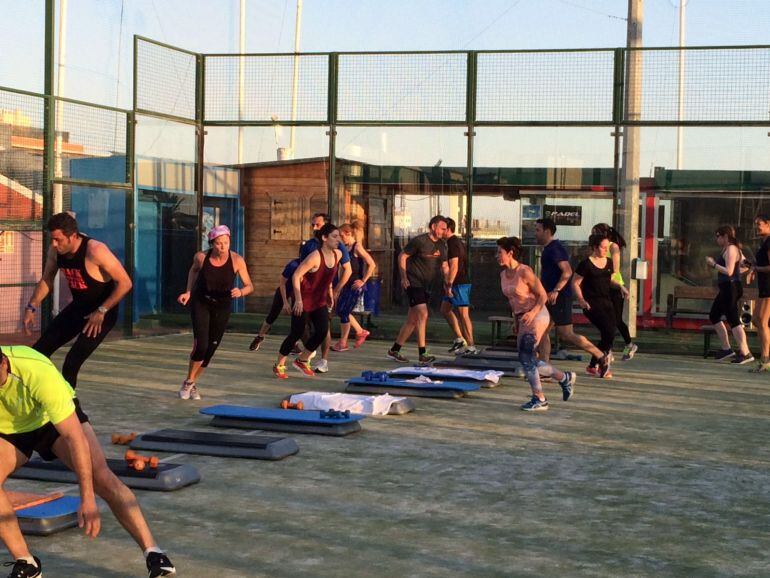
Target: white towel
[449,372]
[361,404]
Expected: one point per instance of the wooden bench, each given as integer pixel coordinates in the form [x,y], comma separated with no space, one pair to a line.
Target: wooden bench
[708,331]
[691,293]
[497,322]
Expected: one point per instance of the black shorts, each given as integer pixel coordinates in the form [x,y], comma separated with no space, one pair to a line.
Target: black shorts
[561,311]
[40,440]
[417,296]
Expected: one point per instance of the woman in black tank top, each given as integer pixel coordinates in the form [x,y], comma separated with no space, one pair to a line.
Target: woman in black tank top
[210,291]
[760,269]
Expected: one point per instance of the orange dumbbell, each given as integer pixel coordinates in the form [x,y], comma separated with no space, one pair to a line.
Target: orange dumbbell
[140,462]
[123,440]
[285,404]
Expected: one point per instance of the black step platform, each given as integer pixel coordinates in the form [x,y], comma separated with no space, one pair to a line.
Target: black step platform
[284,420]
[216,444]
[165,478]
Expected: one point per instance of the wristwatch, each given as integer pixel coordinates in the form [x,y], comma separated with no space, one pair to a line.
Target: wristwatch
[31,307]
[102,309]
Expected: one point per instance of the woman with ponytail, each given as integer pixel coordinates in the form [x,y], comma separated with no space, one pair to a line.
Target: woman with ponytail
[617,243]
[729,270]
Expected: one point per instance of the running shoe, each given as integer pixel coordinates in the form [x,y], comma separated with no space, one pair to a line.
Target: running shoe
[256,343]
[184,391]
[594,371]
[158,564]
[471,350]
[396,356]
[740,359]
[457,346]
[724,354]
[604,371]
[426,359]
[568,385]
[280,371]
[23,569]
[194,395]
[322,366]
[535,404]
[629,351]
[361,337]
[761,367]
[303,367]
[339,346]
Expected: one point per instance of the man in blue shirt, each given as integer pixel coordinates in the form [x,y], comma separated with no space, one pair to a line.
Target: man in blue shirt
[556,277]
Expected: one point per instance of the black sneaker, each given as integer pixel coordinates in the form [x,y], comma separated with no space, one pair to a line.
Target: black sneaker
[158,564]
[740,359]
[23,569]
[256,343]
[567,385]
[724,354]
[426,359]
[396,356]
[535,404]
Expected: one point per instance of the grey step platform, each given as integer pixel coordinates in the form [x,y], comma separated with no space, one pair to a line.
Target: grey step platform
[216,444]
[166,478]
[400,407]
[494,354]
[50,517]
[284,420]
[509,368]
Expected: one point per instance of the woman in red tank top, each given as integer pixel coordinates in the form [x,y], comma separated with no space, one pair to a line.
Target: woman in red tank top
[314,297]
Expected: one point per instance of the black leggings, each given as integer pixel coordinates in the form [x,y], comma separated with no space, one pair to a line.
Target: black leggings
[275,308]
[602,316]
[319,318]
[67,325]
[617,303]
[726,303]
[209,320]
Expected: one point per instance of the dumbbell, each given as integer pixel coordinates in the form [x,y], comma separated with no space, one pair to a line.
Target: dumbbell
[368,375]
[138,462]
[286,404]
[123,440]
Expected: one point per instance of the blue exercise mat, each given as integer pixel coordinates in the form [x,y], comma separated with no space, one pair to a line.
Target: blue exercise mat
[284,420]
[390,382]
[50,517]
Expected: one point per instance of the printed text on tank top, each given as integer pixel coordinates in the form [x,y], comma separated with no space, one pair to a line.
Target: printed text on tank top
[74,278]
[88,288]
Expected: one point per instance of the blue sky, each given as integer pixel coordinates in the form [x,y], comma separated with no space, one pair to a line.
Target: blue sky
[100,39]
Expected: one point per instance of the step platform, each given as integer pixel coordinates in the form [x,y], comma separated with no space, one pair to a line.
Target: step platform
[216,444]
[49,517]
[484,378]
[284,420]
[166,477]
[381,382]
[509,368]
[398,407]
[494,354]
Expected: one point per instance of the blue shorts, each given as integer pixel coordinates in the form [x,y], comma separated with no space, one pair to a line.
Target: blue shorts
[461,296]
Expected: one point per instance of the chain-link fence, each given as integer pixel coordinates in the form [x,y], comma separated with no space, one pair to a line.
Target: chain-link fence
[165,80]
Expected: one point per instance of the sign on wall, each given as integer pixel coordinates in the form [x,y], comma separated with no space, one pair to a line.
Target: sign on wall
[567,215]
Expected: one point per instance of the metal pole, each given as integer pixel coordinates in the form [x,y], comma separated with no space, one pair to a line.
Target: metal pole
[49,132]
[680,128]
[331,113]
[241,70]
[297,27]
[61,73]
[629,197]
[470,117]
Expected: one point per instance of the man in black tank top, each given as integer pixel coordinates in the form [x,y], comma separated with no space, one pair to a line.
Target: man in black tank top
[97,282]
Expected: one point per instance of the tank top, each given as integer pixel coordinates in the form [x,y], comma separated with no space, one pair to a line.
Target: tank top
[763,279]
[356,264]
[516,289]
[735,277]
[314,287]
[215,283]
[87,292]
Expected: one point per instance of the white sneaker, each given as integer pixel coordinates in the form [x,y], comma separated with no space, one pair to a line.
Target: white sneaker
[186,389]
[194,395]
[322,366]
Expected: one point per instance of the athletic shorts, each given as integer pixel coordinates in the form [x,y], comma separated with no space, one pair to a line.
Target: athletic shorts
[417,296]
[561,311]
[40,440]
[461,296]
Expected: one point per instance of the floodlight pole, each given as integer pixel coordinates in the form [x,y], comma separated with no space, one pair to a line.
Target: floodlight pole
[295,83]
[680,128]
[241,71]
[629,193]
[61,75]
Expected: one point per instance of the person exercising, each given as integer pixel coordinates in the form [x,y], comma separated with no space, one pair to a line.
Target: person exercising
[97,281]
[40,412]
